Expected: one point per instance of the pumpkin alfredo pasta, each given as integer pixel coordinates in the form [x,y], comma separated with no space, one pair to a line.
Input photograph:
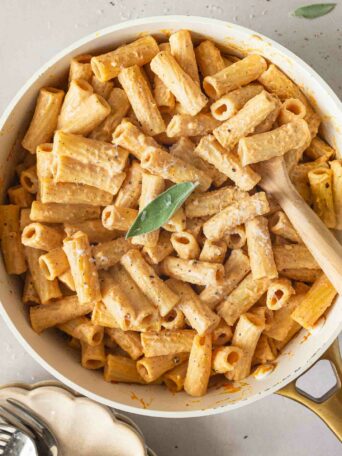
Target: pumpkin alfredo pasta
[137,223]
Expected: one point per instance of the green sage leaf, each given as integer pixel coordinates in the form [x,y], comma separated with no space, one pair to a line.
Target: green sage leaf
[314,10]
[161,209]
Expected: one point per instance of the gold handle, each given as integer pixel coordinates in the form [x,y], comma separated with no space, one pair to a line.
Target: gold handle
[328,409]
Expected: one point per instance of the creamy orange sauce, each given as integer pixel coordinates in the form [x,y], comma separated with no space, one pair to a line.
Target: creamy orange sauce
[263,370]
[145,405]
[305,338]
[231,388]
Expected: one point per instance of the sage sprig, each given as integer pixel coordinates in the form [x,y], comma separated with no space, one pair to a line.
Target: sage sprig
[161,209]
[314,10]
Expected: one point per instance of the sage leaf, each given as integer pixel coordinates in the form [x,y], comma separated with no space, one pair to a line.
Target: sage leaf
[314,10]
[161,209]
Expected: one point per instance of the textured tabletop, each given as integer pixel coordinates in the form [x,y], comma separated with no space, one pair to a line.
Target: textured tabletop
[31,32]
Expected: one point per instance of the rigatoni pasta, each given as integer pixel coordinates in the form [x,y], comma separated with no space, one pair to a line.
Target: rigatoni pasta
[148,281]
[235,214]
[193,271]
[321,187]
[199,367]
[77,250]
[140,52]
[199,315]
[246,336]
[45,117]
[82,109]
[314,303]
[185,89]
[274,143]
[141,100]
[260,249]
[61,311]
[246,120]
[163,164]
[242,298]
[184,149]
[228,105]
[224,282]
[227,162]
[230,78]
[182,49]
[336,166]
[209,58]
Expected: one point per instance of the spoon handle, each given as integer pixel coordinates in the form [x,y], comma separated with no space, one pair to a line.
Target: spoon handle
[323,245]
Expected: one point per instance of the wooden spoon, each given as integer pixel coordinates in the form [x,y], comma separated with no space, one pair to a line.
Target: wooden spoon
[324,247]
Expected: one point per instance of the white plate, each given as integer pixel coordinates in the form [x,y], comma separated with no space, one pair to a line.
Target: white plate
[80,425]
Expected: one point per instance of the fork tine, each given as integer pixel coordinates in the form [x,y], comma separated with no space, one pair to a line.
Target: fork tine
[4,442]
[7,427]
[16,422]
[26,411]
[5,437]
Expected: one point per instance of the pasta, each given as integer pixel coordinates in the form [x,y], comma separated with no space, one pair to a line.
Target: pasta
[183,51]
[184,148]
[321,187]
[167,342]
[225,281]
[141,100]
[230,78]
[336,166]
[82,110]
[45,117]
[41,236]
[246,336]
[227,162]
[260,249]
[163,164]
[148,281]
[199,367]
[209,58]
[119,104]
[61,311]
[154,367]
[236,213]
[274,143]
[80,68]
[164,97]
[151,187]
[210,203]
[185,245]
[246,120]
[193,271]
[198,314]
[185,89]
[77,250]
[228,105]
[315,302]
[140,52]
[278,293]
[279,224]
[242,298]
[236,268]
[12,249]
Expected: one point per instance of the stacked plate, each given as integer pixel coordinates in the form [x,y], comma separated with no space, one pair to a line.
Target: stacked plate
[81,426]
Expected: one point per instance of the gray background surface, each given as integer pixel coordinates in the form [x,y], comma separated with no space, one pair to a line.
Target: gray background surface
[32,31]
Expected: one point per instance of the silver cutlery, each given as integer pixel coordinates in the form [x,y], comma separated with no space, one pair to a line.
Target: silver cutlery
[15,442]
[28,420]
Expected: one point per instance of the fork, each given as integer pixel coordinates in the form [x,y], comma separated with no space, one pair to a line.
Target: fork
[46,441]
[14,441]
